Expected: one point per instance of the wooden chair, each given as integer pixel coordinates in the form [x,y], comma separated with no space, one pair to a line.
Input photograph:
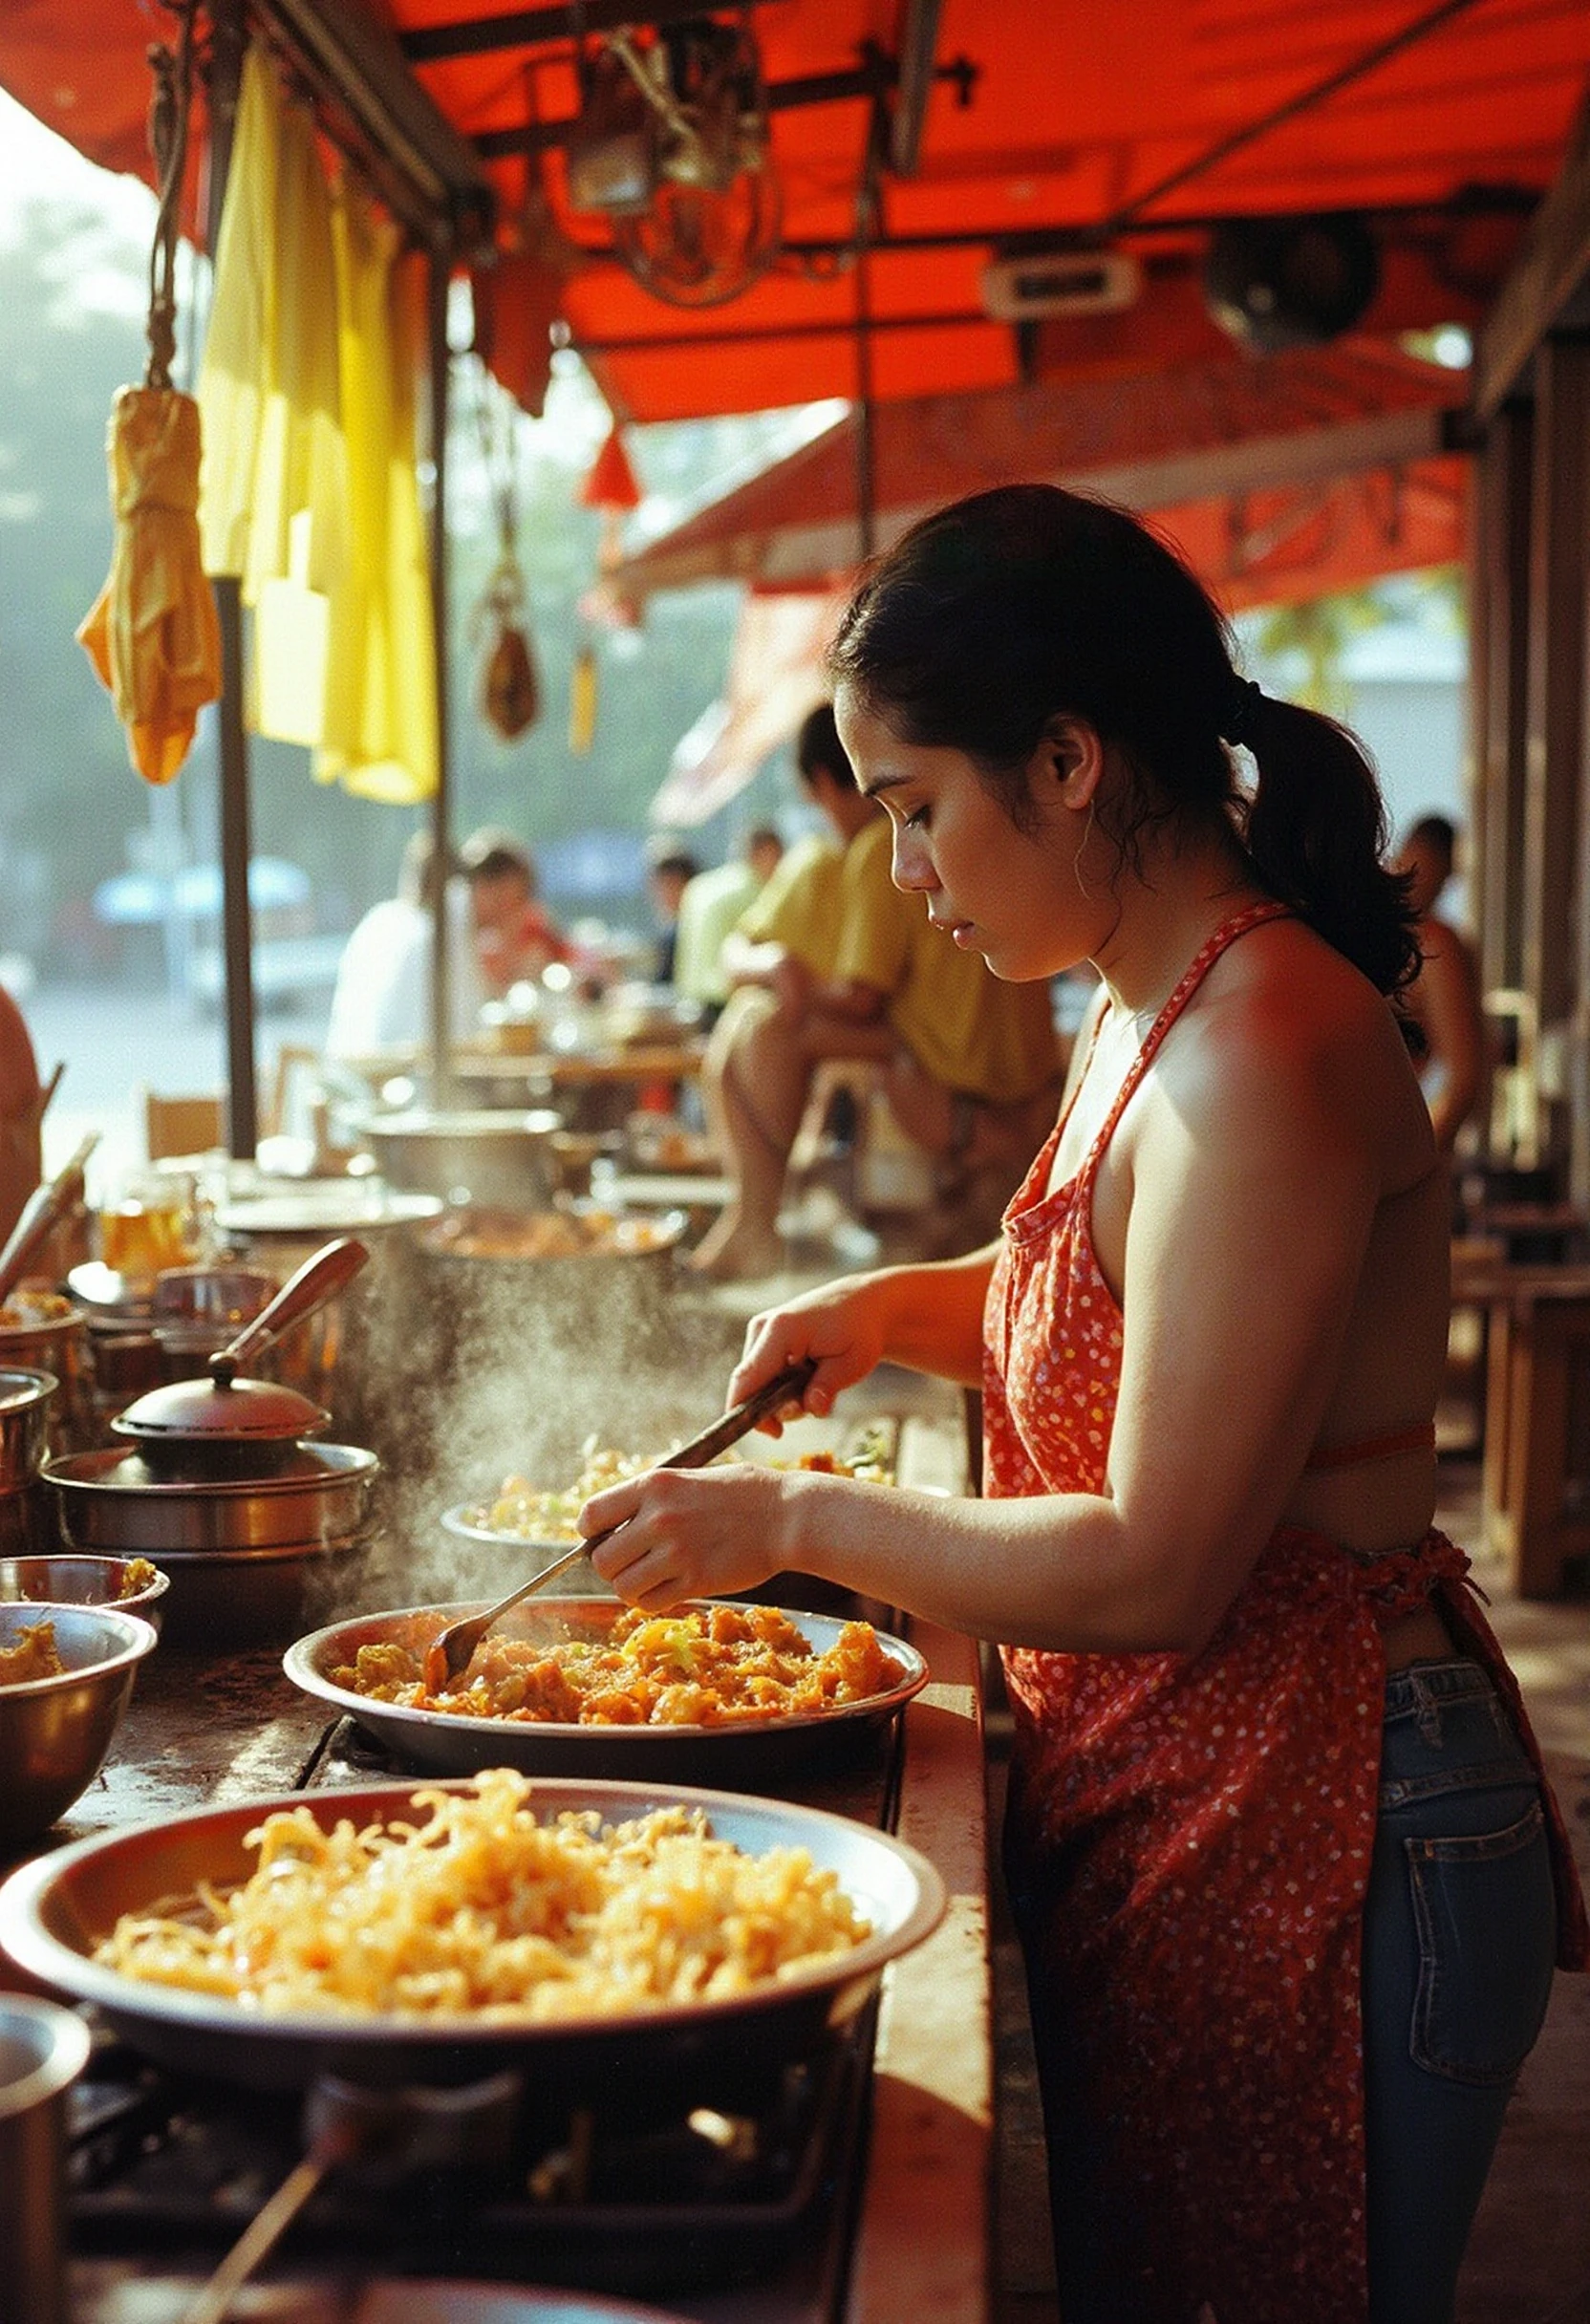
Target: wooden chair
[183,1125]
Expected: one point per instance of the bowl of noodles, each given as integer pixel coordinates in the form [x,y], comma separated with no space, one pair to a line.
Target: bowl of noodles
[596,1935]
[716,1690]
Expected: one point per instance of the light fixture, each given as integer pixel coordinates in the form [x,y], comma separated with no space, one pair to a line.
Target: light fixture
[1275,283]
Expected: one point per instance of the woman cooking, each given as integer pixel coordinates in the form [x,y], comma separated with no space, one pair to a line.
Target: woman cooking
[1289,1879]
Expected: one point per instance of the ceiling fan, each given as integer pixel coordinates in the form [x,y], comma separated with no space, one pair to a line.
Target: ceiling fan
[672,146]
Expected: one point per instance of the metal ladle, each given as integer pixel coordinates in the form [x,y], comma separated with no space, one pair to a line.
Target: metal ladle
[452,1649]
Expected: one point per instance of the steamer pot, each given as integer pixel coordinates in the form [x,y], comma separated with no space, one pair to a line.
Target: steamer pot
[246,1557]
[490,1155]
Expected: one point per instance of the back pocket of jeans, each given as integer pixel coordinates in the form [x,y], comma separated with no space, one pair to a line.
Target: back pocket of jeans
[1486,1916]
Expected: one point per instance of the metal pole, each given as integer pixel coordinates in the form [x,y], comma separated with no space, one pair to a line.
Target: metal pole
[229,37]
[867,226]
[441,370]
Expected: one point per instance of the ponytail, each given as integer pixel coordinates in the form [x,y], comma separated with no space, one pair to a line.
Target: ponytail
[1315,835]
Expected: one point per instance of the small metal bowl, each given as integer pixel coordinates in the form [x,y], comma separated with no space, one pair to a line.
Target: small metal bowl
[24,1400]
[69,1581]
[54,1732]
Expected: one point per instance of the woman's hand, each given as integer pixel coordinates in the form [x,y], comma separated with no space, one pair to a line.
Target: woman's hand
[689,1533]
[843,1325]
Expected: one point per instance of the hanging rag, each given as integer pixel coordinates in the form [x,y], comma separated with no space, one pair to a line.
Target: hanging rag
[379,735]
[152,633]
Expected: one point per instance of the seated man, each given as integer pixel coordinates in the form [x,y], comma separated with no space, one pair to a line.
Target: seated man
[515,936]
[711,907]
[832,961]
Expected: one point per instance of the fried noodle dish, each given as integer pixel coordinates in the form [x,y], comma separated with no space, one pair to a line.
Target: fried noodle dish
[714,1665]
[483,1912]
[528,1513]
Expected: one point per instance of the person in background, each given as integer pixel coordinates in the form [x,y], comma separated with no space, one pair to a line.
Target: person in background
[382,997]
[515,936]
[21,1112]
[670,869]
[712,904]
[1443,998]
[838,965]
[1287,1871]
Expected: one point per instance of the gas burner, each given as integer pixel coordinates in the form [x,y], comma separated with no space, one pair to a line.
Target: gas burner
[165,2166]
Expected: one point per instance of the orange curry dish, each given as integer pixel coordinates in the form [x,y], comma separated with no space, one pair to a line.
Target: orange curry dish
[712,1665]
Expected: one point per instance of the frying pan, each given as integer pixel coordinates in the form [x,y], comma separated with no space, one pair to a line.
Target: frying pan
[739,1756]
[55,1910]
[222,1426]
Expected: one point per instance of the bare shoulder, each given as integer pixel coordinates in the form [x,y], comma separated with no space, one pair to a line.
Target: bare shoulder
[1292,1046]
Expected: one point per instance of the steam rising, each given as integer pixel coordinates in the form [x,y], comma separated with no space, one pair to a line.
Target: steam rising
[465,1371]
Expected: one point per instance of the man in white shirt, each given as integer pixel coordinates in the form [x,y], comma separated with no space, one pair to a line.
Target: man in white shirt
[382,998]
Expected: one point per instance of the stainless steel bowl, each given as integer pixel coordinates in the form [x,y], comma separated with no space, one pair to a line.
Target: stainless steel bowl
[54,1912]
[24,1400]
[504,1158]
[67,1581]
[54,1732]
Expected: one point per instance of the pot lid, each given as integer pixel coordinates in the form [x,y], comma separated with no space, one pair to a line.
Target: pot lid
[209,1413]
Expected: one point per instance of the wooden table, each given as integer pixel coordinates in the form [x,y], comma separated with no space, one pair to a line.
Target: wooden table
[1536,1459]
[909,2236]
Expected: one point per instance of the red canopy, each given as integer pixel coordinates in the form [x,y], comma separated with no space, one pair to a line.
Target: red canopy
[1145,122]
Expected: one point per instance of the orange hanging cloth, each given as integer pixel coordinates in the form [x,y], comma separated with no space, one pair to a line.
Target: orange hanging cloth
[152,633]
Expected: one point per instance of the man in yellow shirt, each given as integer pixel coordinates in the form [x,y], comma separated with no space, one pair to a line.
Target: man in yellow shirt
[832,961]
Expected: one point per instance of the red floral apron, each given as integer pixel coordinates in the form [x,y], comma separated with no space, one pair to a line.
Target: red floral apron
[1197,1831]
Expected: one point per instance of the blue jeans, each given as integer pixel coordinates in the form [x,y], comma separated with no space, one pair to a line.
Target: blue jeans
[1459,1937]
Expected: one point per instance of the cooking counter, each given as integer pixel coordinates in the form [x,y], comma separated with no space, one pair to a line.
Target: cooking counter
[905,2233]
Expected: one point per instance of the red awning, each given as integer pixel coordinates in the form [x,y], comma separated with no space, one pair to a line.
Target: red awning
[1145,123]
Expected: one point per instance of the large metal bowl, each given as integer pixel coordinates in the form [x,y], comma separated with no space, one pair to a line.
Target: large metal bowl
[70,1580]
[501,1157]
[741,1754]
[54,1732]
[52,1913]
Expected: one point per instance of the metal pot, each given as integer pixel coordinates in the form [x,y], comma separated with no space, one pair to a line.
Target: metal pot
[113,1502]
[25,1398]
[497,1156]
[247,1558]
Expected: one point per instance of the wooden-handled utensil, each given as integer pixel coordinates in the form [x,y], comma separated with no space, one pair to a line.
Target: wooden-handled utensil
[451,1649]
[44,1208]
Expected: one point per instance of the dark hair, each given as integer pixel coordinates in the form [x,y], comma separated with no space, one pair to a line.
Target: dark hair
[997,614]
[1437,832]
[817,744]
[494,853]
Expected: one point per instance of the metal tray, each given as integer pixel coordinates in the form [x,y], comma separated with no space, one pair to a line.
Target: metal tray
[740,1755]
[54,1912]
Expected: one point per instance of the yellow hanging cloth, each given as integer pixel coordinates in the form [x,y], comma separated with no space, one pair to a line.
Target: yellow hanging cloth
[274,506]
[378,737]
[152,634]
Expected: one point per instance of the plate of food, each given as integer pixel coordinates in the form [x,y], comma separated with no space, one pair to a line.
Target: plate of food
[594,1934]
[715,1689]
[544,1517]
